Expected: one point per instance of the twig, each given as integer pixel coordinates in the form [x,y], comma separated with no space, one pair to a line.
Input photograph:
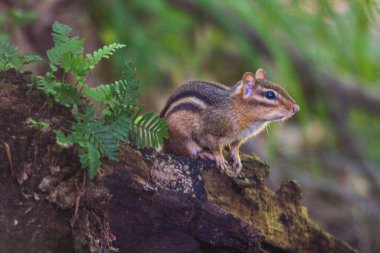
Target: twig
[43,106]
[9,154]
[77,200]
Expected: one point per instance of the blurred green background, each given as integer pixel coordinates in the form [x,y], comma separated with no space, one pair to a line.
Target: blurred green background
[326,53]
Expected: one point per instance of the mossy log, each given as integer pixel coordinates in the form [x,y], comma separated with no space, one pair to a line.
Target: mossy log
[146,202]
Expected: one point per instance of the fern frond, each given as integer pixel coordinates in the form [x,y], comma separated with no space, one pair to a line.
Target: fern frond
[120,96]
[9,57]
[104,52]
[89,157]
[128,72]
[89,152]
[75,64]
[149,130]
[66,95]
[102,138]
[48,84]
[29,58]
[123,92]
[127,91]
[120,127]
[7,49]
[60,33]
[84,114]
[63,140]
[102,93]
[56,54]
[7,53]
[40,125]
[124,96]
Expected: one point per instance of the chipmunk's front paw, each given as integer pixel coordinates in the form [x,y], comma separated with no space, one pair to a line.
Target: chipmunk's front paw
[221,163]
[236,166]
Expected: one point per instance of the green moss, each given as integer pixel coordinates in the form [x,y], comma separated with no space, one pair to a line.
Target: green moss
[278,215]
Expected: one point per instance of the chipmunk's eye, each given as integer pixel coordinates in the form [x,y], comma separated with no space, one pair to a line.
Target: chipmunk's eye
[270,95]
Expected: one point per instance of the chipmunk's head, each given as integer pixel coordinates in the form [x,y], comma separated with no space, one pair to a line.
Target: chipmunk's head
[270,101]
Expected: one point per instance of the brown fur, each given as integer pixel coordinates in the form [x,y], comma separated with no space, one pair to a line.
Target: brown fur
[213,116]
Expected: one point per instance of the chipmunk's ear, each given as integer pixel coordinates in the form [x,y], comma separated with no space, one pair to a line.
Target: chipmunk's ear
[260,74]
[248,84]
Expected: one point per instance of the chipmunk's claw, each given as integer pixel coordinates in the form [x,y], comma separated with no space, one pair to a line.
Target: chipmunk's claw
[236,167]
[221,163]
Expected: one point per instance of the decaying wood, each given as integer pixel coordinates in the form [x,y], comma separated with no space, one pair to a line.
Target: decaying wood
[182,205]
[146,202]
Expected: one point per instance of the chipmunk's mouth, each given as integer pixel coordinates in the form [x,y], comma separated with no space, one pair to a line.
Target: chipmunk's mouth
[279,118]
[286,118]
[282,118]
[283,115]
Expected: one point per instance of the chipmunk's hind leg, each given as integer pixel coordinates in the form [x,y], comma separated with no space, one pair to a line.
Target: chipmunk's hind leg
[180,142]
[182,147]
[193,149]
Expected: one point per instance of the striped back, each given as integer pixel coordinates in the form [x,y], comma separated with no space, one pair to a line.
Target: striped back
[195,96]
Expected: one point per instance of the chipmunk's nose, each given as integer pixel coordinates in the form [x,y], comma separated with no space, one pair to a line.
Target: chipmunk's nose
[296,108]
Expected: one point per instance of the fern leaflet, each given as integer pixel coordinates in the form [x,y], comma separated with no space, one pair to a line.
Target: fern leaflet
[7,52]
[89,157]
[9,57]
[29,58]
[104,52]
[56,54]
[60,33]
[149,130]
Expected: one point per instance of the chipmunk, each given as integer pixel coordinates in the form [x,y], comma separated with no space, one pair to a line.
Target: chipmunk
[205,117]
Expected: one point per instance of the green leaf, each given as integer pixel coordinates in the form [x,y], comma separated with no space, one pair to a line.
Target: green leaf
[122,91]
[63,140]
[48,84]
[103,139]
[30,58]
[8,53]
[60,33]
[66,95]
[102,93]
[89,157]
[76,65]
[149,130]
[87,113]
[7,49]
[121,96]
[40,125]
[10,59]
[104,52]
[129,72]
[120,127]
[16,62]
[61,50]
